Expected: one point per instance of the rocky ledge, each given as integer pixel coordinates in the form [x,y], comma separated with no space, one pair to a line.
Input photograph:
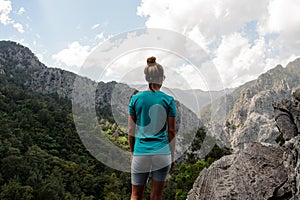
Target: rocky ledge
[261,170]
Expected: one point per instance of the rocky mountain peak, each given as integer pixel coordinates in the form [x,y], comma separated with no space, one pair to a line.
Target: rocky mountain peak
[18,63]
[16,56]
[250,115]
[260,170]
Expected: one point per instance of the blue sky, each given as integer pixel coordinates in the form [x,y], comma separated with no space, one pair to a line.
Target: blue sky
[243,38]
[49,26]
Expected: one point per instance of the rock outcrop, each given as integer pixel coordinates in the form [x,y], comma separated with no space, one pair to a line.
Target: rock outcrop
[293,161]
[260,170]
[15,57]
[17,63]
[250,115]
[287,116]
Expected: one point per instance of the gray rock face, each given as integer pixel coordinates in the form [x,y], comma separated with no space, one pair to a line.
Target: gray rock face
[260,170]
[51,80]
[250,115]
[293,161]
[109,99]
[287,116]
[17,63]
[15,57]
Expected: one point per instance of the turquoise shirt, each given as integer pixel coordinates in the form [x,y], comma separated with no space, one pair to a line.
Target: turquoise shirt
[151,110]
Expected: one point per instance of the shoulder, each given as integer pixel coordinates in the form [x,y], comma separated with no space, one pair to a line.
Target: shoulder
[167,96]
[168,99]
[136,95]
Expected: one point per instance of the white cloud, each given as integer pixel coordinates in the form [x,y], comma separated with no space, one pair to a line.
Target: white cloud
[197,36]
[100,36]
[282,60]
[237,61]
[73,55]
[283,15]
[213,18]
[222,29]
[284,19]
[5,10]
[19,27]
[95,26]
[123,59]
[21,11]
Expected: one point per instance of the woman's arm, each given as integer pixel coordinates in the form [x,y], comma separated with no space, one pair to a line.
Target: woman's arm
[131,131]
[172,135]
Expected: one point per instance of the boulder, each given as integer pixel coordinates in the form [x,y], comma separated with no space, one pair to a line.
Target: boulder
[260,170]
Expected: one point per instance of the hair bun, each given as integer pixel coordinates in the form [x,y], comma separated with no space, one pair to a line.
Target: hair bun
[151,60]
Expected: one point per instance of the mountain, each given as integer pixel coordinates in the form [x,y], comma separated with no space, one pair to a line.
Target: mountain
[109,100]
[42,155]
[194,99]
[261,170]
[249,114]
[235,119]
[17,63]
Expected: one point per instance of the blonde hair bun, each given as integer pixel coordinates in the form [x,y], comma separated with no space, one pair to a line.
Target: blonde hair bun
[151,60]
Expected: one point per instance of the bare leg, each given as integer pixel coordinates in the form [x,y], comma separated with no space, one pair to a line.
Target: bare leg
[137,192]
[156,190]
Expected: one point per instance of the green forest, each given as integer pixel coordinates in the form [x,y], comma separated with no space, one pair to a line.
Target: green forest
[42,157]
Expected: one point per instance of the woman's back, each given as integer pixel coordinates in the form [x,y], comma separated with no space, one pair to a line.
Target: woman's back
[151,110]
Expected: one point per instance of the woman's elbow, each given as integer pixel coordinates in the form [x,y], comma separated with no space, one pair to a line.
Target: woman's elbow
[172,132]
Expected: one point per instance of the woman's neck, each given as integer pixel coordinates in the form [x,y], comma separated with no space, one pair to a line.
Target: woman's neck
[154,87]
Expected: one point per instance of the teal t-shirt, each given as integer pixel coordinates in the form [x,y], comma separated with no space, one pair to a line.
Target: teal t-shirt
[151,110]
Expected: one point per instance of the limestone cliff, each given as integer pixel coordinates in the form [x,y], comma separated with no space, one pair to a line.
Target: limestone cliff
[260,170]
[249,111]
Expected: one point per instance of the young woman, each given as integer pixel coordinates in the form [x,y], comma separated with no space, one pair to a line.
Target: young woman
[152,144]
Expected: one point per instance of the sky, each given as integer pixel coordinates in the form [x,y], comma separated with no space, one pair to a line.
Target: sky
[242,38]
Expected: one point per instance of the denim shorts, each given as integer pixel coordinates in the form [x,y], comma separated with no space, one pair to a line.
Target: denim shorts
[156,166]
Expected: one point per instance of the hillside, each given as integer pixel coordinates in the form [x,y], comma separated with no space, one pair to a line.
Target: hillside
[111,98]
[44,157]
[249,112]
[261,170]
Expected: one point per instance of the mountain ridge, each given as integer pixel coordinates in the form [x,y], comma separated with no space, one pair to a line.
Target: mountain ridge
[249,111]
[111,98]
[238,117]
[261,170]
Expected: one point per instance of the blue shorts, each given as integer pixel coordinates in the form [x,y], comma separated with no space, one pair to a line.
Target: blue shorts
[158,166]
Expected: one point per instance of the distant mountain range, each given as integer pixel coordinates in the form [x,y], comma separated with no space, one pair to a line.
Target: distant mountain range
[194,99]
[19,65]
[234,116]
